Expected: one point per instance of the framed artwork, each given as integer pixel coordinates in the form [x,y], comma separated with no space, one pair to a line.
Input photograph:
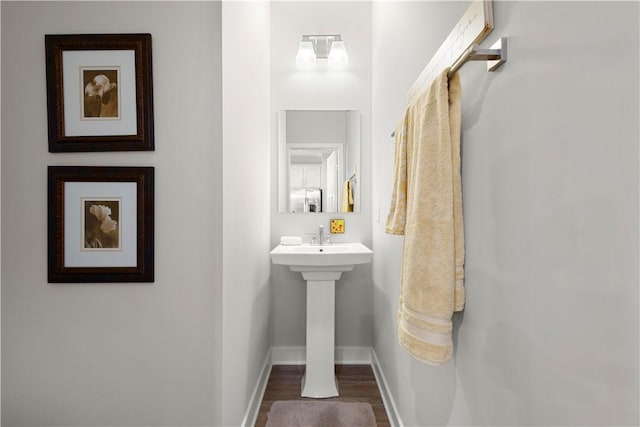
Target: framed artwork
[100,222]
[99,92]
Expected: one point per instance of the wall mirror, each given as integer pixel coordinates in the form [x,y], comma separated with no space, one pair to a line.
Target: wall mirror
[318,161]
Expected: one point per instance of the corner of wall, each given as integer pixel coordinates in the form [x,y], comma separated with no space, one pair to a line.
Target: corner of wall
[245,200]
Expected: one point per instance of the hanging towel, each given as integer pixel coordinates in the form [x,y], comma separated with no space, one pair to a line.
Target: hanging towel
[397,211]
[347,197]
[426,206]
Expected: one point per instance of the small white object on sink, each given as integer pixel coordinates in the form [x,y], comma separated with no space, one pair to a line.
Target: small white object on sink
[290,240]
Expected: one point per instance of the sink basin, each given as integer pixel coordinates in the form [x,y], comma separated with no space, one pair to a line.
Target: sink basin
[341,255]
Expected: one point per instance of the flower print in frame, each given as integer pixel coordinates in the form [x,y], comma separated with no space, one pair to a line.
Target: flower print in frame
[100,224]
[99,92]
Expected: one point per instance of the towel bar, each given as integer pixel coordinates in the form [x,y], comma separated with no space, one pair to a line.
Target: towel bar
[495,56]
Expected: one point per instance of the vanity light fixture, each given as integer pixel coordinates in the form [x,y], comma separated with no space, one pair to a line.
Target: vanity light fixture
[329,47]
[306,55]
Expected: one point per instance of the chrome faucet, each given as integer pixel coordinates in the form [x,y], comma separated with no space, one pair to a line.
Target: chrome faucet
[322,238]
[319,239]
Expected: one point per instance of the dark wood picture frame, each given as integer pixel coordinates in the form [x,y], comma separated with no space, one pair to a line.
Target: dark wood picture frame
[140,44]
[143,177]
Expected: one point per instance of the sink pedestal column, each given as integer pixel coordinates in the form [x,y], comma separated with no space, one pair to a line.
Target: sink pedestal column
[319,380]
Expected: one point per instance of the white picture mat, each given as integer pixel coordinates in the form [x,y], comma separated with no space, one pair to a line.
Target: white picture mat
[74,192]
[73,92]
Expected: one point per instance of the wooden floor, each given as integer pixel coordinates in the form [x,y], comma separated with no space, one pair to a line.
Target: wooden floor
[356,383]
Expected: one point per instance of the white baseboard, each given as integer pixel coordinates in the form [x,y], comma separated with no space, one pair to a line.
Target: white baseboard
[343,355]
[353,355]
[387,398]
[251,415]
[288,355]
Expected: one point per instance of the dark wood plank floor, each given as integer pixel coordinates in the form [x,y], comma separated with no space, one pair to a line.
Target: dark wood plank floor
[356,383]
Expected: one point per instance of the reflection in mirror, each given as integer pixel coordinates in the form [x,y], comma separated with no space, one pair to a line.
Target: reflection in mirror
[318,161]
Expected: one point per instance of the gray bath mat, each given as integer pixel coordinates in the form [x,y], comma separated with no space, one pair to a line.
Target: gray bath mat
[306,413]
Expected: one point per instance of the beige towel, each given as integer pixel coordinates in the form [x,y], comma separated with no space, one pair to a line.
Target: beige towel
[347,197]
[426,207]
[397,211]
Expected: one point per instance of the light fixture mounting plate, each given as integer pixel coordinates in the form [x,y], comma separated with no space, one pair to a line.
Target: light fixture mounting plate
[322,43]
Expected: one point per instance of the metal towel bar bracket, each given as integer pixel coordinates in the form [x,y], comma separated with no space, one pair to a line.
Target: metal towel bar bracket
[495,56]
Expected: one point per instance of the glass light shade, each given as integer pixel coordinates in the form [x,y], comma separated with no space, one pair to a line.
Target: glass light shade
[338,54]
[306,55]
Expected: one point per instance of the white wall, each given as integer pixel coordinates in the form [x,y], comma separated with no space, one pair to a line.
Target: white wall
[549,335]
[322,89]
[246,168]
[316,127]
[116,354]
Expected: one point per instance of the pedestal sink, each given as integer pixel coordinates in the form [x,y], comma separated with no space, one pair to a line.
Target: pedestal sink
[321,266]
